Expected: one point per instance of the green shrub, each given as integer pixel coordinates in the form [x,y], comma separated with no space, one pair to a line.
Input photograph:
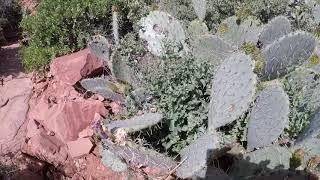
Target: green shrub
[300,86]
[63,26]
[180,87]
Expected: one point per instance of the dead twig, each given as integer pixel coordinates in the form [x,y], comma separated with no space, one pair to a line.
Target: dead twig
[174,169]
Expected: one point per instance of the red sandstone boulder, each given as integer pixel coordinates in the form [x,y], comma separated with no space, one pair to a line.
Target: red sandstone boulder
[72,68]
[14,107]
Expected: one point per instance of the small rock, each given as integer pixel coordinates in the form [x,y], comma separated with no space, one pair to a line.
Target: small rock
[86,133]
[115,107]
[80,147]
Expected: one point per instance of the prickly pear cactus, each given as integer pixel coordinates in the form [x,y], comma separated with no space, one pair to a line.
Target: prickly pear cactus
[200,7]
[316,13]
[103,87]
[159,28]
[268,118]
[100,47]
[237,33]
[197,154]
[261,161]
[109,159]
[284,54]
[212,49]
[123,72]
[137,156]
[136,123]
[140,96]
[315,8]
[196,29]
[275,29]
[233,90]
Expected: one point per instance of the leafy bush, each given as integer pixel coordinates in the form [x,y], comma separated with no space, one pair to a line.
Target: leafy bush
[300,86]
[64,26]
[180,87]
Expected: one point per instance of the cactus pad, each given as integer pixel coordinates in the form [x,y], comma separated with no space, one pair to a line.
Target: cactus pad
[212,49]
[123,72]
[197,154]
[99,46]
[103,87]
[136,157]
[233,90]
[236,34]
[275,29]
[140,96]
[286,53]
[109,159]
[315,7]
[268,117]
[136,123]
[197,28]
[159,28]
[200,7]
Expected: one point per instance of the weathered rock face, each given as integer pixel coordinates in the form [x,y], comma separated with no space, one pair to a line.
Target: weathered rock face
[47,148]
[72,68]
[60,118]
[14,107]
[62,110]
[53,124]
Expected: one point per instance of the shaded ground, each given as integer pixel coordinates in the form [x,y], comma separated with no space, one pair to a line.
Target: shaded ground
[10,63]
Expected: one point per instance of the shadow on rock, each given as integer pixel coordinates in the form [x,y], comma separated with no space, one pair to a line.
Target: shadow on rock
[244,167]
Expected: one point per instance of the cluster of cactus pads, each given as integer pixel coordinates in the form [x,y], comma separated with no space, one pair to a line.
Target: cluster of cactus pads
[234,93]
[234,90]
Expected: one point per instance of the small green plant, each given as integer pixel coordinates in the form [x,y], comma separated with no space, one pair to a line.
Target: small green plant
[297,159]
[243,12]
[314,60]
[222,28]
[180,87]
[299,86]
[255,54]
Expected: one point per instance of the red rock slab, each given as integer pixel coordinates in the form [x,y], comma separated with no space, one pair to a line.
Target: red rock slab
[72,68]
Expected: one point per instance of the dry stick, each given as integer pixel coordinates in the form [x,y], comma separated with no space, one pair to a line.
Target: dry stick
[174,169]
